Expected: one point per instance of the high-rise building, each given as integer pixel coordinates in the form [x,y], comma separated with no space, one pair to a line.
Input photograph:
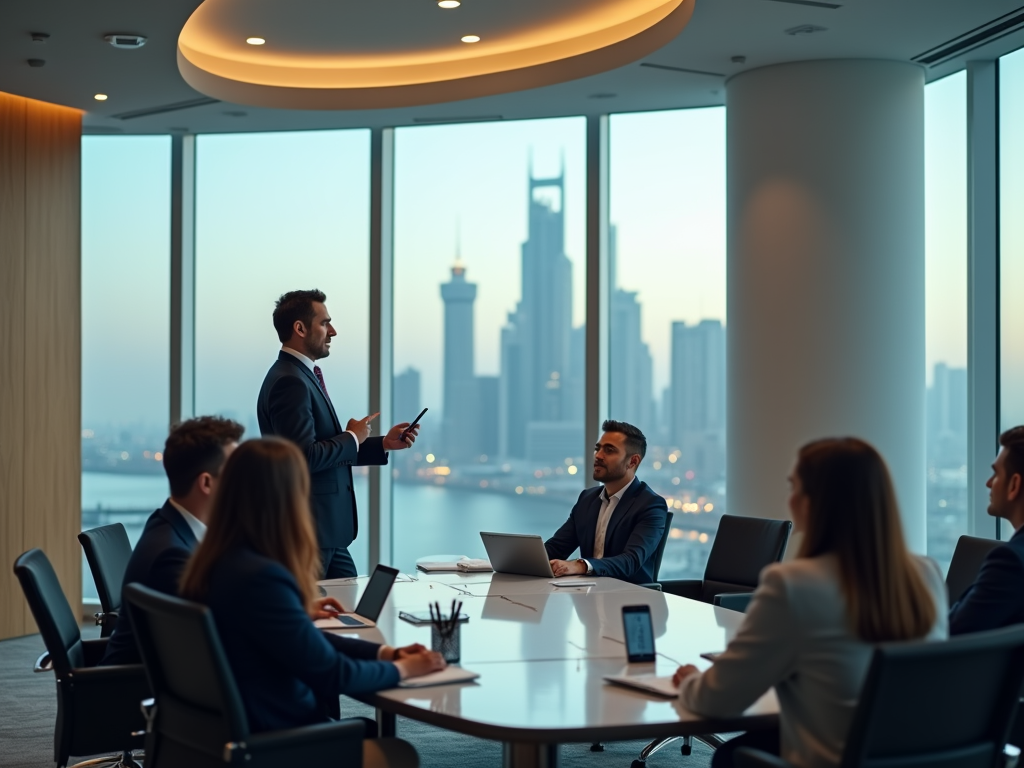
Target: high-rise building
[697,404]
[630,367]
[947,416]
[461,401]
[405,395]
[535,344]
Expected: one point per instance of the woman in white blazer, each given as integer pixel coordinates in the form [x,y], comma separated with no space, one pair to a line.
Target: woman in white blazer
[812,623]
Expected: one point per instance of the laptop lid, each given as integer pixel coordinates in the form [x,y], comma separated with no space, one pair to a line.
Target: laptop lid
[376,592]
[520,553]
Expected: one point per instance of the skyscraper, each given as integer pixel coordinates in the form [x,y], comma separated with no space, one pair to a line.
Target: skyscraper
[630,371]
[461,402]
[947,417]
[697,406]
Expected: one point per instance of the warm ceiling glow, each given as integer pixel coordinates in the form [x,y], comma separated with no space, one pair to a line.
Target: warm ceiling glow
[255,40]
[471,38]
[448,3]
[100,97]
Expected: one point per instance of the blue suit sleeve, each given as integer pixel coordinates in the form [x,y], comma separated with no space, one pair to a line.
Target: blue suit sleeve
[996,599]
[285,635]
[372,452]
[566,540]
[167,569]
[353,647]
[291,416]
[641,545]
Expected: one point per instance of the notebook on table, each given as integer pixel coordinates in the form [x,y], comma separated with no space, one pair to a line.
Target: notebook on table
[445,676]
[661,685]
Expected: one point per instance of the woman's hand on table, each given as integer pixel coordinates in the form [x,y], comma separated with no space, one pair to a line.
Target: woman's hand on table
[421,662]
[326,608]
[684,672]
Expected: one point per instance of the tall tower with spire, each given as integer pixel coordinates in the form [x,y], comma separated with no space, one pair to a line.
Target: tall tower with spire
[461,422]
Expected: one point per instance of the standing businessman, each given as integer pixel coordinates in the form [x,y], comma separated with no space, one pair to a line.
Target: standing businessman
[294,403]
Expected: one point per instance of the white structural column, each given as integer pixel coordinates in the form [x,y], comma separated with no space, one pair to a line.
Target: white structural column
[598,289]
[825,274]
[183,277]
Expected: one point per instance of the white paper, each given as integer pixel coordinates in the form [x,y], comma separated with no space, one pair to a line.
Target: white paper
[450,674]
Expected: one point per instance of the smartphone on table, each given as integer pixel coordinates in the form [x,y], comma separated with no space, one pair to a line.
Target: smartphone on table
[639,632]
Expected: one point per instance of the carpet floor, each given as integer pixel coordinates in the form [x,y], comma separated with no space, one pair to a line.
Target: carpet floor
[28,706]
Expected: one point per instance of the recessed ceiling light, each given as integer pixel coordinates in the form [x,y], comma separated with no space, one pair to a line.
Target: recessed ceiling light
[471,38]
[255,40]
[448,3]
[100,97]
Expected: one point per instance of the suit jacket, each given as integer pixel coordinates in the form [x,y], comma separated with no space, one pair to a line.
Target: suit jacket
[996,598]
[634,532]
[292,405]
[795,636]
[285,668]
[157,562]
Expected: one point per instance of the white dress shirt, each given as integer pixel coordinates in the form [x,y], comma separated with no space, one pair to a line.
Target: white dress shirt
[198,526]
[309,363]
[608,505]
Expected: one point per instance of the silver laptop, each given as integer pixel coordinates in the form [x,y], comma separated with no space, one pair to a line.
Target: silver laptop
[373,599]
[520,553]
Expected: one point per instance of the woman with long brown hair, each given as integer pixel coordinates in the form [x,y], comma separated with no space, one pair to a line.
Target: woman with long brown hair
[256,569]
[812,622]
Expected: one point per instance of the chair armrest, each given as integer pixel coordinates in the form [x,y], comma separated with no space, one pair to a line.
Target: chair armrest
[94,650]
[745,757]
[44,663]
[734,601]
[690,588]
[337,743]
[653,585]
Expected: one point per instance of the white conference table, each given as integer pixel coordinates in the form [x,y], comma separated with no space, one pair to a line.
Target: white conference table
[542,653]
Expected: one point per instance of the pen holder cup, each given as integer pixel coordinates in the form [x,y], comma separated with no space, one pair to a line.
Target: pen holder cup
[447,644]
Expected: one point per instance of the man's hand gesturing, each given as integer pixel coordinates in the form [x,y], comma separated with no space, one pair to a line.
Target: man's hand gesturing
[401,436]
[361,428]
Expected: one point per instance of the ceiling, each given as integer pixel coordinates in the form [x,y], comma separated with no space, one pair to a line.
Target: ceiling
[724,37]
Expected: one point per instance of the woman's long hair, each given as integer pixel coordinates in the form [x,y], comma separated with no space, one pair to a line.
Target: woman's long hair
[853,514]
[261,502]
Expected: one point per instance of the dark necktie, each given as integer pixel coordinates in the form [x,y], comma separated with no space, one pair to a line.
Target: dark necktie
[320,378]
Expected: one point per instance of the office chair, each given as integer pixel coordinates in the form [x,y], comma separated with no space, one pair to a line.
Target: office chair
[97,707]
[197,718]
[969,554]
[107,549]
[743,547]
[931,705]
[659,553]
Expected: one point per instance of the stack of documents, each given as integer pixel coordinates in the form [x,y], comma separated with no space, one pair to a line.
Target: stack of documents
[463,564]
[474,566]
[441,677]
[662,686]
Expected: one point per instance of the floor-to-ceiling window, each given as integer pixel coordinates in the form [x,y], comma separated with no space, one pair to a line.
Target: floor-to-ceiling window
[126,186]
[488,330]
[667,323]
[277,212]
[946,314]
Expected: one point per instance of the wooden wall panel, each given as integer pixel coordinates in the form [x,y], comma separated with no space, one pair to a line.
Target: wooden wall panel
[12,355]
[48,332]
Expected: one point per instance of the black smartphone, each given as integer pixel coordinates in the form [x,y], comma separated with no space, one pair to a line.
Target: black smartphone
[415,421]
[639,632]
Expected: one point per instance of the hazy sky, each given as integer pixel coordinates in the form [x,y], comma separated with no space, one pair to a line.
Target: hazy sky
[1011,150]
[282,211]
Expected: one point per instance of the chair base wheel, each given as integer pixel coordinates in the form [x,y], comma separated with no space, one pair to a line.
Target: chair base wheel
[597,747]
[686,750]
[638,764]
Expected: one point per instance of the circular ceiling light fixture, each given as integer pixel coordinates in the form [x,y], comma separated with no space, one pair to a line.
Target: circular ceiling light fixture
[100,97]
[471,38]
[325,58]
[255,40]
[448,3]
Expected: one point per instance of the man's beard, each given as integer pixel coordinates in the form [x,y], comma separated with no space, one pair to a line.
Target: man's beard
[611,474]
[317,352]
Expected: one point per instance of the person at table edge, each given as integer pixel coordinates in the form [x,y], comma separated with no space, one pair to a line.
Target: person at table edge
[618,525]
[293,403]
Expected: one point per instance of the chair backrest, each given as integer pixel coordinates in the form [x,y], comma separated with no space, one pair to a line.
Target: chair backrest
[743,547]
[56,621]
[198,704]
[108,550]
[938,704]
[968,556]
[659,553]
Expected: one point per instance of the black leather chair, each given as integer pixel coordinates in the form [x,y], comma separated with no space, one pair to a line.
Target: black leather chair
[968,556]
[198,718]
[743,547]
[98,708]
[107,550]
[931,705]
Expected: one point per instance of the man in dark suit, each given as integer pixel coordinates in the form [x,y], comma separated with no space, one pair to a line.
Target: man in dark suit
[194,454]
[294,404]
[618,525]
[996,599]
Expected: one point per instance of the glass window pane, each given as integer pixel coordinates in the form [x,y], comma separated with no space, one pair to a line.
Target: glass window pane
[667,329]
[277,212]
[946,314]
[1011,247]
[126,195]
[489,313]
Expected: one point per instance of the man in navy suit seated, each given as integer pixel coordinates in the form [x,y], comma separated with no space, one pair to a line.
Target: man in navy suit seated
[194,455]
[294,404]
[996,599]
[618,525]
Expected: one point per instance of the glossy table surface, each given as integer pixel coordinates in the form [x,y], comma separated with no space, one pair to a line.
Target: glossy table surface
[542,652]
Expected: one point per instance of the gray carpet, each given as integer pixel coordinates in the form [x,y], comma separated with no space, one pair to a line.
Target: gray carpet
[28,706]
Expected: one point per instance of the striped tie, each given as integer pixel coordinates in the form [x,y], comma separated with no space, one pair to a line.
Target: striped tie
[320,377]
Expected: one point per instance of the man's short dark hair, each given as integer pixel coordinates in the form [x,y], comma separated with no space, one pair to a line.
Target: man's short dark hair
[635,440]
[1013,441]
[292,306]
[197,446]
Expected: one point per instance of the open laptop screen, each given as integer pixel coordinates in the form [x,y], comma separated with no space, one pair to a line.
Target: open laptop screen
[377,591]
